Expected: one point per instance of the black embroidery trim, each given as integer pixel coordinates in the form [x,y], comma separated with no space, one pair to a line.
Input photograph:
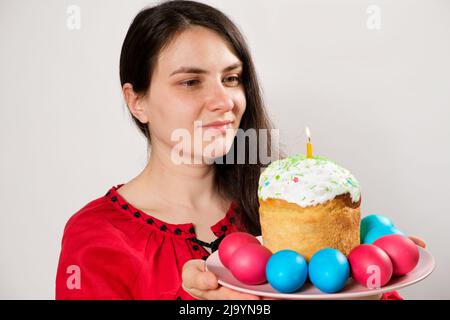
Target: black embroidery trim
[213,245]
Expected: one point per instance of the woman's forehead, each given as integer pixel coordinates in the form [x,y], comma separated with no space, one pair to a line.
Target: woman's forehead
[196,47]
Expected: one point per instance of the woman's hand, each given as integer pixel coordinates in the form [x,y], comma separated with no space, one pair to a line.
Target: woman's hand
[203,284]
[418,241]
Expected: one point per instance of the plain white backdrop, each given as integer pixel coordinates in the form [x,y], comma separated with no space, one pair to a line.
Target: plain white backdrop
[370,78]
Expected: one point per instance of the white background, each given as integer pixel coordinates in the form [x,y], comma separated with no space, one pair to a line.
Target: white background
[377,102]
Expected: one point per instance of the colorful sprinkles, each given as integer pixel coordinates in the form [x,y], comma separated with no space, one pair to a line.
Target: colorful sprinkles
[306,181]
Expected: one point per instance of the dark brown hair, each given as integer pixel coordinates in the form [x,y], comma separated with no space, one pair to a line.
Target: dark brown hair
[151,30]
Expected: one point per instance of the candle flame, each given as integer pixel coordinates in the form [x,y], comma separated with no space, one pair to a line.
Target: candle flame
[308,133]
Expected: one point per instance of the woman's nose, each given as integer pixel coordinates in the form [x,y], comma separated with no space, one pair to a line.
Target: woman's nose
[219,99]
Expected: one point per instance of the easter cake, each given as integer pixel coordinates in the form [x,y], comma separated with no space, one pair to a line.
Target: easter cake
[307,204]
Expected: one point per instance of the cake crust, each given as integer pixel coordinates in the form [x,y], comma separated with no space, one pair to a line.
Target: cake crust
[333,224]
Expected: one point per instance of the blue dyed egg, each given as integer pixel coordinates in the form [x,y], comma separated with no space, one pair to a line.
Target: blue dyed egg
[375,233]
[286,271]
[329,270]
[372,221]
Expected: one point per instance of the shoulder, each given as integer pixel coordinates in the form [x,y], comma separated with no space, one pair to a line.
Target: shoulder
[100,222]
[96,214]
[95,236]
[98,252]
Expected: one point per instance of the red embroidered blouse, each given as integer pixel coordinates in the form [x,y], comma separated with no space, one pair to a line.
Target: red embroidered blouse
[111,250]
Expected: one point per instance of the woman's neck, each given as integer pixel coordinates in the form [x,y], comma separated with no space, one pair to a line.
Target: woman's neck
[189,185]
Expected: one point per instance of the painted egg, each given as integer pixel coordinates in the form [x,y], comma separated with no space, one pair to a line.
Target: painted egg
[371,221]
[402,251]
[329,270]
[231,243]
[248,263]
[380,231]
[286,271]
[370,266]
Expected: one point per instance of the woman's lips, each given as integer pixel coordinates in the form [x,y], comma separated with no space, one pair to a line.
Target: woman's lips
[220,126]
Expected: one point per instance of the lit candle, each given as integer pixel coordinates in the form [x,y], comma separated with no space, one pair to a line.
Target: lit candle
[308,145]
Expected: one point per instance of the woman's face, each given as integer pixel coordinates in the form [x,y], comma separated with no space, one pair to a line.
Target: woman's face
[196,81]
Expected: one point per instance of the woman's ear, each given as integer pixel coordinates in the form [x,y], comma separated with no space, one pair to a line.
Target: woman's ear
[135,103]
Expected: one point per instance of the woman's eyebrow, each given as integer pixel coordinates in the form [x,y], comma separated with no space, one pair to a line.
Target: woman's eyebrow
[201,71]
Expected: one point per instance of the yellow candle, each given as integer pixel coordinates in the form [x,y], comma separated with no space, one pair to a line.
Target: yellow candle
[308,145]
[309,150]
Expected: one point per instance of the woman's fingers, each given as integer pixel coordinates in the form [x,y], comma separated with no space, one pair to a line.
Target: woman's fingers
[418,241]
[195,280]
[203,284]
[223,293]
[194,276]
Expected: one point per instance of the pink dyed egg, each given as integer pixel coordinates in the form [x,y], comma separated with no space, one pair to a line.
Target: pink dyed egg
[248,263]
[231,243]
[370,266]
[402,251]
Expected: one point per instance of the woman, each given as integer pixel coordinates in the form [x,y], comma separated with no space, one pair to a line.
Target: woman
[184,67]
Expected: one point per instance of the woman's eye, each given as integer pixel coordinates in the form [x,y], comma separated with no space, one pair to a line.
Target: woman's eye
[234,80]
[189,83]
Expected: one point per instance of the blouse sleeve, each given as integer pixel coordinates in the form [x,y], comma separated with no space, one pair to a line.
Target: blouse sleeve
[95,262]
[393,295]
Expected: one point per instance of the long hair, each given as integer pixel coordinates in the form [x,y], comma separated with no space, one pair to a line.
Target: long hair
[151,30]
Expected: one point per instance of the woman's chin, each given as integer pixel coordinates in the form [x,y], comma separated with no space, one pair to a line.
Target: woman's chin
[219,147]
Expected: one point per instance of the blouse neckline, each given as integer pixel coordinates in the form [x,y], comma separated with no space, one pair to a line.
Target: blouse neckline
[184,230]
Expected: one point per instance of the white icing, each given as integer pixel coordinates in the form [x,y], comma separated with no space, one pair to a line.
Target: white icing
[306,182]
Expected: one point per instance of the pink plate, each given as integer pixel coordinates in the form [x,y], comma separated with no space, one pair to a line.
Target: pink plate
[352,290]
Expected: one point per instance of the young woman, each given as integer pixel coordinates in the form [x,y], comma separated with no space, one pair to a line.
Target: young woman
[183,66]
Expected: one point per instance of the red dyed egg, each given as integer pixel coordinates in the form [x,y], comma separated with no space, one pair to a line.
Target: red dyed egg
[248,263]
[231,243]
[402,251]
[370,265]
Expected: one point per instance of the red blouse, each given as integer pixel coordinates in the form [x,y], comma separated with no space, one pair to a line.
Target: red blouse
[111,250]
